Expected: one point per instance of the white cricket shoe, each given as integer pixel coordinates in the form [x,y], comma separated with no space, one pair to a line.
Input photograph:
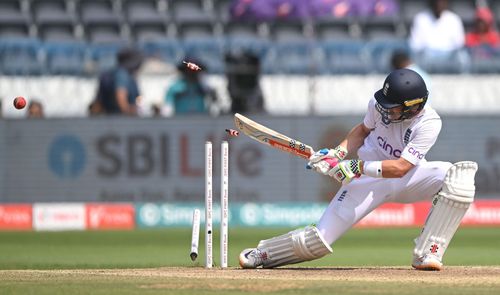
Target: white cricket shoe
[252,258]
[428,262]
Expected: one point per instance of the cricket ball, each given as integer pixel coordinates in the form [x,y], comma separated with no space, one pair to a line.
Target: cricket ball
[19,102]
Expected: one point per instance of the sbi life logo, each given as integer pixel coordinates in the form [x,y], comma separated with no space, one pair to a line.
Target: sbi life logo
[67,156]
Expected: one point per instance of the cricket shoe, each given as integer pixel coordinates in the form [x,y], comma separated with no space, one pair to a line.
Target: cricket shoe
[428,262]
[252,258]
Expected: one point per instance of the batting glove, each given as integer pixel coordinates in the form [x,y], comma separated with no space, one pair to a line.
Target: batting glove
[346,171]
[324,160]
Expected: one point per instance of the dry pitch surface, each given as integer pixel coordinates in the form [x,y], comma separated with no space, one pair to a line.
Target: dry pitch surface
[194,280]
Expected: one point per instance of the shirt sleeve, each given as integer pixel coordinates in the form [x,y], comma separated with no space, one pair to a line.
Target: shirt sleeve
[460,33]
[370,116]
[417,34]
[169,96]
[121,79]
[423,140]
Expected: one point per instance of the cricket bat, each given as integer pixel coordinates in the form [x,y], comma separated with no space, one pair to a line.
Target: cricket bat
[272,138]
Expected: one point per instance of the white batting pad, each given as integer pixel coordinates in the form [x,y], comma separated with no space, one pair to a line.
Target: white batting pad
[294,247]
[448,209]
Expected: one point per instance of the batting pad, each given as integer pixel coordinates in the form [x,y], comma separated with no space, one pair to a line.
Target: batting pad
[448,208]
[294,247]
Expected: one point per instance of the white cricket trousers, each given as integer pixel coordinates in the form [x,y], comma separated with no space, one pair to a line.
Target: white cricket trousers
[356,199]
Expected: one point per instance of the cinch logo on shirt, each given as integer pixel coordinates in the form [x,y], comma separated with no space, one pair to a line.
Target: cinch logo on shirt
[382,142]
[416,153]
[342,196]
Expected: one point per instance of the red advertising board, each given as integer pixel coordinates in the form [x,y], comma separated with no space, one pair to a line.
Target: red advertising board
[483,213]
[110,216]
[480,213]
[16,217]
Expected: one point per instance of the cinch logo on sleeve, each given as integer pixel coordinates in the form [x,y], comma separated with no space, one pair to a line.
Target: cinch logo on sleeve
[382,142]
[416,153]
[342,196]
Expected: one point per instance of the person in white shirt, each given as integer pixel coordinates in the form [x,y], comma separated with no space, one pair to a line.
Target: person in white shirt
[437,37]
[392,141]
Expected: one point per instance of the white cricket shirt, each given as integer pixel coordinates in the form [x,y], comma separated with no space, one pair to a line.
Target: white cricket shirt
[410,139]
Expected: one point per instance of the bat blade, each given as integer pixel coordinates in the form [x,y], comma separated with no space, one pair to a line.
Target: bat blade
[272,138]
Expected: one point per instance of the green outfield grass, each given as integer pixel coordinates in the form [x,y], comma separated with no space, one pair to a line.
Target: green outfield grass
[164,257]
[154,248]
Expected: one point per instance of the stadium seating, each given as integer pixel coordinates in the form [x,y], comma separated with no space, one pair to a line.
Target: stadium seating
[172,29]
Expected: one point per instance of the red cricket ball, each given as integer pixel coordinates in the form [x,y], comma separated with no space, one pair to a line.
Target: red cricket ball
[19,102]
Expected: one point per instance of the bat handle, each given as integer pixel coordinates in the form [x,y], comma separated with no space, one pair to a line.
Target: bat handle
[332,161]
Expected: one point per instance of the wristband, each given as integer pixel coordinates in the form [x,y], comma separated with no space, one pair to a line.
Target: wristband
[373,168]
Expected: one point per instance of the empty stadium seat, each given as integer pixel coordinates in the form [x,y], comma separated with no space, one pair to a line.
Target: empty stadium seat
[495,7]
[245,36]
[64,58]
[52,12]
[288,31]
[380,52]
[335,41]
[103,33]
[14,30]
[346,57]
[20,56]
[99,12]
[103,56]
[292,58]
[410,8]
[333,30]
[11,12]
[57,32]
[105,40]
[465,9]
[378,29]
[146,32]
[190,11]
[166,49]
[193,31]
[221,9]
[489,65]
[144,12]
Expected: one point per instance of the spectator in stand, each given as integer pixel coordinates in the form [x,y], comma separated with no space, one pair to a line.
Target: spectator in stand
[156,110]
[118,90]
[484,40]
[376,8]
[189,94]
[243,82]
[95,108]
[401,60]
[331,8]
[291,9]
[35,110]
[437,37]
[265,10]
[256,10]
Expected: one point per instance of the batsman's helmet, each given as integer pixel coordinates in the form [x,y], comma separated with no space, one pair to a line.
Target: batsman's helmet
[405,88]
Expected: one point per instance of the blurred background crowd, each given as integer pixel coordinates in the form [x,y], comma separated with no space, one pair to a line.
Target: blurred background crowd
[306,68]
[116,41]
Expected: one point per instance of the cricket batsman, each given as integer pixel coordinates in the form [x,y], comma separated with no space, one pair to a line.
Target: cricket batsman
[397,132]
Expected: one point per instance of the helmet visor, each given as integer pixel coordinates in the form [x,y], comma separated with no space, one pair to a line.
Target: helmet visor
[384,101]
[390,115]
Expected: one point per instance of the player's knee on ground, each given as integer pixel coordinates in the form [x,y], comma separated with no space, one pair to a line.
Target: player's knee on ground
[448,209]
[296,246]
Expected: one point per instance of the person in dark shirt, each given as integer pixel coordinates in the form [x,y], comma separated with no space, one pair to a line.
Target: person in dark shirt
[189,94]
[118,90]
